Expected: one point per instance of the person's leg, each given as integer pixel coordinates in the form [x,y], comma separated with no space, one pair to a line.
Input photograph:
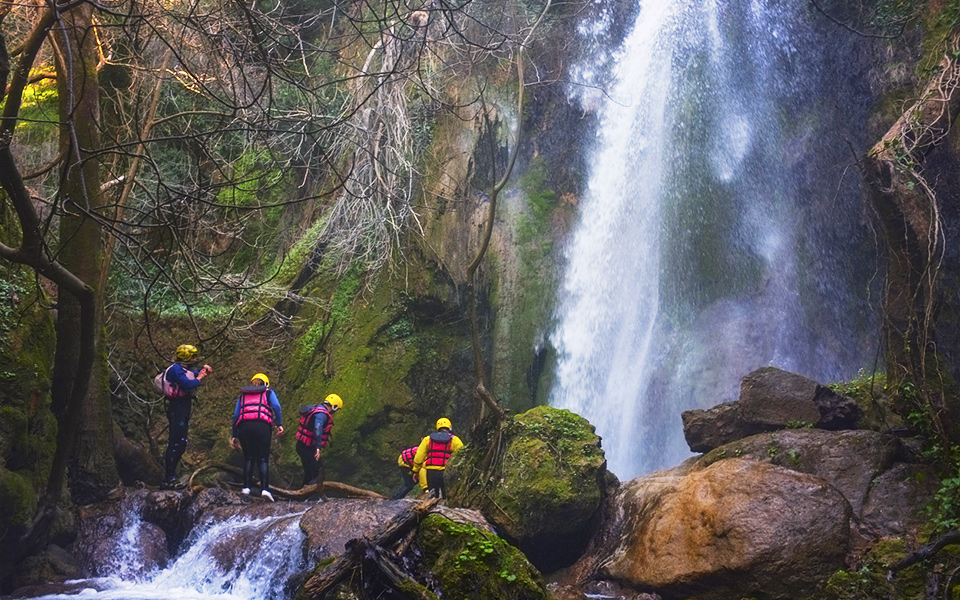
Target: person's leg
[247,443]
[435,482]
[321,473]
[262,432]
[308,462]
[406,483]
[178,416]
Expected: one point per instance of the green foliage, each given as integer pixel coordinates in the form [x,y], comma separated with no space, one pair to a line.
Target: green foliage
[18,500]
[890,15]
[869,581]
[470,563]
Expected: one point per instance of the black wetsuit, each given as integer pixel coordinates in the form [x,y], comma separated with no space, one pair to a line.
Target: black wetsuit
[254,439]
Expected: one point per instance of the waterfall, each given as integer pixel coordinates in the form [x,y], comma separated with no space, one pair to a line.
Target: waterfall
[240,558]
[720,229]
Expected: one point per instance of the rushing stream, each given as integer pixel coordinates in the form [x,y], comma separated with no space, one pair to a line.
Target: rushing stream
[721,228]
[240,558]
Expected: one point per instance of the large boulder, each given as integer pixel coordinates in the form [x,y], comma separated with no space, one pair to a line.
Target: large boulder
[876,472]
[467,562]
[770,399]
[549,488]
[847,460]
[737,528]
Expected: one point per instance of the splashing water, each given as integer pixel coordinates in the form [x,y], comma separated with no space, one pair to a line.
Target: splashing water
[718,231]
[237,559]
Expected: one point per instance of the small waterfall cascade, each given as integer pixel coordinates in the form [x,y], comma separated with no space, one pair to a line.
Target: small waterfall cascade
[721,227]
[240,558]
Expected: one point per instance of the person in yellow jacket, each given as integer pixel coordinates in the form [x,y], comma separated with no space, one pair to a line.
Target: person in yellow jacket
[432,457]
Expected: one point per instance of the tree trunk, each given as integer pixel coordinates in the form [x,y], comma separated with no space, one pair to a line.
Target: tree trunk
[92,468]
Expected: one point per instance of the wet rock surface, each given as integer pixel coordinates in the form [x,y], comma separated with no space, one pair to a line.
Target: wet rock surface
[730,530]
[770,399]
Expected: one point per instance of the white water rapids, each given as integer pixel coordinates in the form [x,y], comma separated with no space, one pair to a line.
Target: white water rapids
[236,559]
[720,229]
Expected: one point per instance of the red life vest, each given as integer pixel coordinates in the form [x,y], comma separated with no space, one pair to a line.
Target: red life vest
[255,405]
[439,449]
[305,428]
[407,456]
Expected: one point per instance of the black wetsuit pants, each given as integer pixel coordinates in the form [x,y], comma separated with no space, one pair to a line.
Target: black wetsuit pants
[178,415]
[435,485]
[407,481]
[312,467]
[254,438]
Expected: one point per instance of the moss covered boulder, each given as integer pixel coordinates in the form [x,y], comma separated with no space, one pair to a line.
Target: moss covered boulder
[546,489]
[466,562]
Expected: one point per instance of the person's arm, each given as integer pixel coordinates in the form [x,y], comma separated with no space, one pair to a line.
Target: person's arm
[455,444]
[319,422]
[275,407]
[421,454]
[236,415]
[177,374]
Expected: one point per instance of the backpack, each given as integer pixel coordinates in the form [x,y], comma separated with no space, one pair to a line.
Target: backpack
[168,389]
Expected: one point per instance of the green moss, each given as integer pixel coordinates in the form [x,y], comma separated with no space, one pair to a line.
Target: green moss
[395,370]
[470,563]
[869,581]
[18,499]
[550,483]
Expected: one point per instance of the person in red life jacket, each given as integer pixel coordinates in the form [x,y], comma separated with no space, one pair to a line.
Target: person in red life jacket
[314,433]
[180,383]
[408,477]
[432,457]
[257,411]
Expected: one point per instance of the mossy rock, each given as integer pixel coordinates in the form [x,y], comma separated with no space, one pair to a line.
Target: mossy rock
[19,502]
[870,580]
[549,488]
[466,562]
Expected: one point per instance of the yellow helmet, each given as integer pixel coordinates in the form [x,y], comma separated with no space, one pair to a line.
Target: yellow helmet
[334,401]
[186,352]
[444,422]
[261,377]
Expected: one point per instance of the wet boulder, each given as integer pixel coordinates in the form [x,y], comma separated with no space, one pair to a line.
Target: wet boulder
[737,528]
[547,490]
[770,399]
[466,562]
[876,472]
[847,460]
[53,565]
[112,538]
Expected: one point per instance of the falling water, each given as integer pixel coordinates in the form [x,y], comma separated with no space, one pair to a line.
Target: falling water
[241,558]
[720,230]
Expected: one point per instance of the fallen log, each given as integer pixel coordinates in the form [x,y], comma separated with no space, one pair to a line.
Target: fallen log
[388,534]
[924,552]
[376,559]
[340,489]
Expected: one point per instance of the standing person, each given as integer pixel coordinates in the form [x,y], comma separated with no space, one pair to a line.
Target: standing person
[180,382]
[432,457]
[407,476]
[313,433]
[257,411]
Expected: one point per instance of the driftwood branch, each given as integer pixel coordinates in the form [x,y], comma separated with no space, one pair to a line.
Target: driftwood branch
[925,552]
[320,583]
[341,489]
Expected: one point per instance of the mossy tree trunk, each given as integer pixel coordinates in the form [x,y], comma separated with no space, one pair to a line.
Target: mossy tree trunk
[907,210]
[92,470]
